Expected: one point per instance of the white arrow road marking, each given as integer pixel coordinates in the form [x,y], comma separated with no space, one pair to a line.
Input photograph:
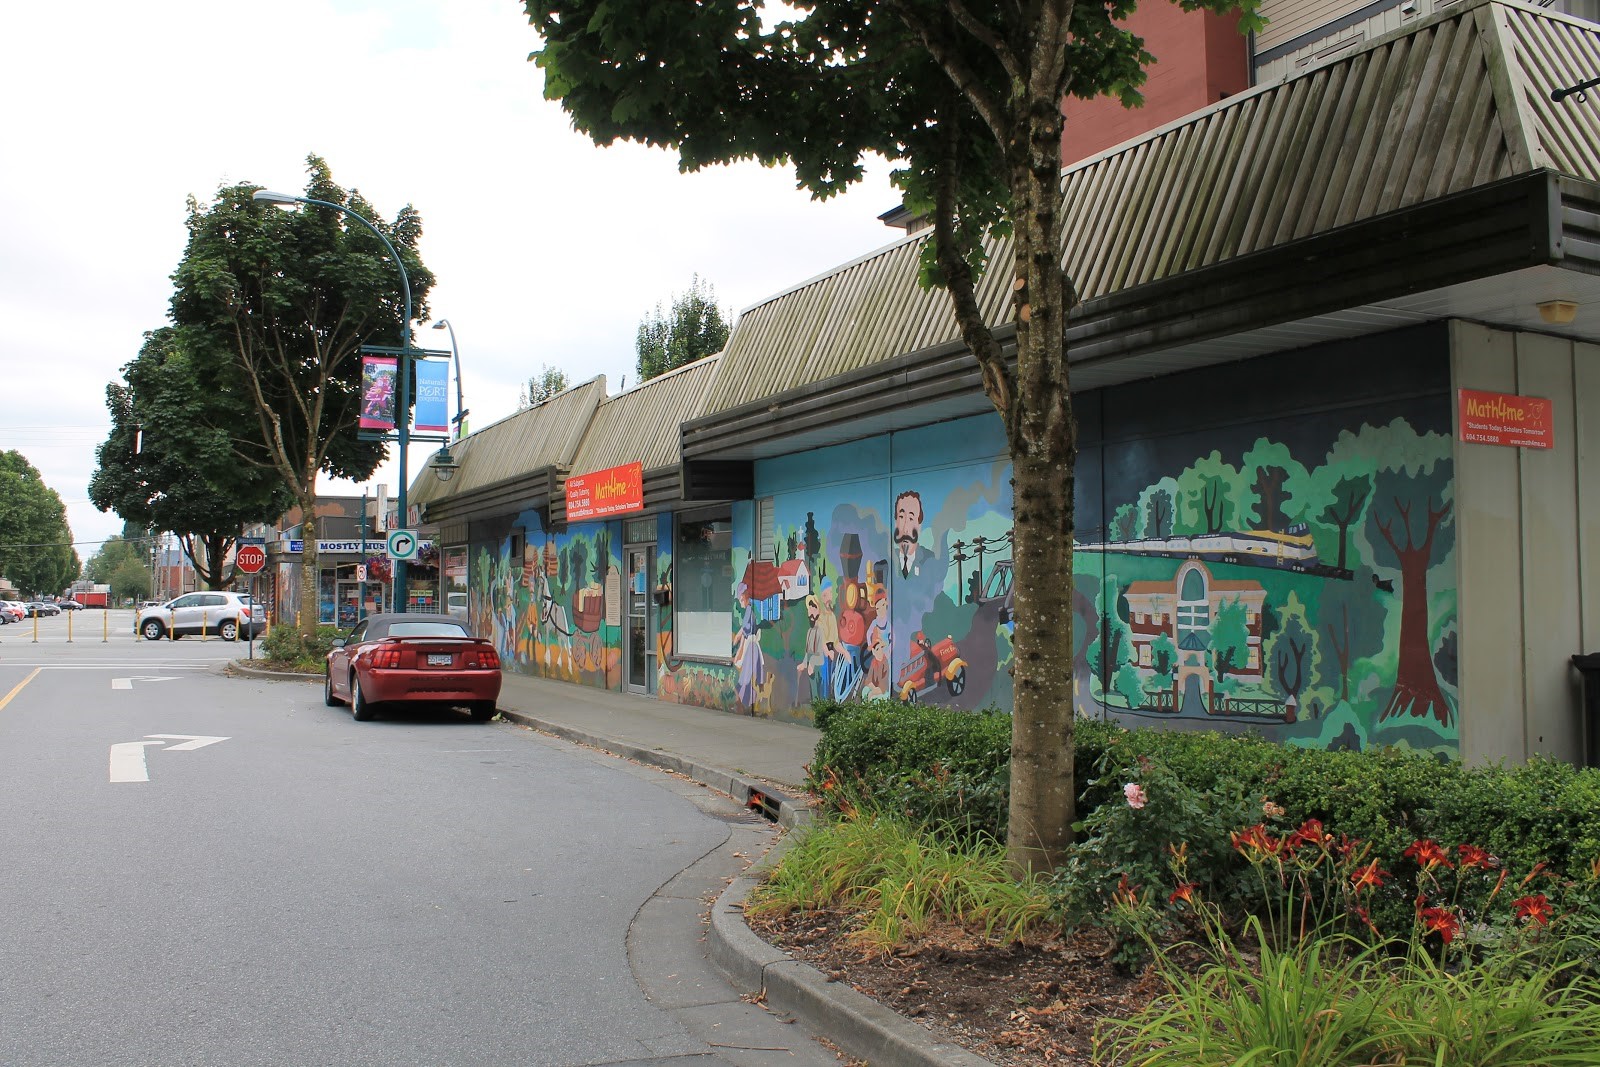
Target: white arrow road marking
[194,741]
[127,683]
[128,757]
[127,761]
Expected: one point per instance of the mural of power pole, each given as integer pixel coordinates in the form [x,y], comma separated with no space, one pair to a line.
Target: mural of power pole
[960,556]
[980,545]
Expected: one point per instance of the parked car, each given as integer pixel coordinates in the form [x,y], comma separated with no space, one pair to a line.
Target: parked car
[15,609]
[69,605]
[42,608]
[228,615]
[415,660]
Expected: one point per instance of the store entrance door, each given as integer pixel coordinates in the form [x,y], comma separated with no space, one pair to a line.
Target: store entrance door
[356,600]
[640,628]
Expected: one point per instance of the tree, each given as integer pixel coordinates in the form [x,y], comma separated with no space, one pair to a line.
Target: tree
[36,550]
[130,581]
[168,444]
[276,307]
[694,329]
[966,100]
[104,563]
[542,386]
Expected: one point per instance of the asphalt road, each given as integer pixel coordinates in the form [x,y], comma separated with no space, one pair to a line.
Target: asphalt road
[305,889]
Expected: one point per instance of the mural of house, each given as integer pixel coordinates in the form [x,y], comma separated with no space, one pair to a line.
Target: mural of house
[1295,511]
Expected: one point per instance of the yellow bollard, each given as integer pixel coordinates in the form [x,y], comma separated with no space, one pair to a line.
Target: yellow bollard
[70,614]
[203,624]
[36,627]
[105,625]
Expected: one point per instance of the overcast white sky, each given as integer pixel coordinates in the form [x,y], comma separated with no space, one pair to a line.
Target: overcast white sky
[547,249]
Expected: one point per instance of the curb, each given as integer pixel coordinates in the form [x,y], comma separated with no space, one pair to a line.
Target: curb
[244,667]
[776,804]
[854,1021]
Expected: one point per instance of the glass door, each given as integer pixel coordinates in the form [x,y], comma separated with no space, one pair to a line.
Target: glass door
[641,621]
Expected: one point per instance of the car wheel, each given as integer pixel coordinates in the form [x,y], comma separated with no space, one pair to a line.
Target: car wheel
[361,709]
[152,630]
[229,630]
[484,710]
[327,691]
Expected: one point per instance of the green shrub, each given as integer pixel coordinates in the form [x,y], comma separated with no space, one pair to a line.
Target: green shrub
[281,644]
[284,646]
[949,769]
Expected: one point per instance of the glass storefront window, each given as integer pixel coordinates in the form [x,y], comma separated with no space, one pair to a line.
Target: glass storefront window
[453,576]
[702,603]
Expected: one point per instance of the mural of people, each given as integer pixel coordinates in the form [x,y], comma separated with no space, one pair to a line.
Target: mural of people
[822,647]
[909,555]
[875,685]
[747,655]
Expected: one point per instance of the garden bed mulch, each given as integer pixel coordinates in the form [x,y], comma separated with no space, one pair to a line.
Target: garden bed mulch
[1032,1003]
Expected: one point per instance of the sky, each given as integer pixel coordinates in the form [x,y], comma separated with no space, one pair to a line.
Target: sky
[547,249]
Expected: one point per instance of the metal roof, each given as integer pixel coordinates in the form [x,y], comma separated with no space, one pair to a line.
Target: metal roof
[1452,103]
[642,423]
[545,435]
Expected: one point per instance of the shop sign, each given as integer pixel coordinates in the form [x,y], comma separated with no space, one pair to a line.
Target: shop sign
[608,492]
[354,545]
[1505,419]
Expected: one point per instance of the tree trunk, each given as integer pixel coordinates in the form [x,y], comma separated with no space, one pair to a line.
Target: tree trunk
[310,571]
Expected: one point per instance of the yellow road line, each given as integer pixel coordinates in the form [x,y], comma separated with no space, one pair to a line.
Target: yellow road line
[19,687]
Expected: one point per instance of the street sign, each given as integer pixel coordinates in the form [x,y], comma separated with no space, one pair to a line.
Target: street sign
[402,544]
[250,558]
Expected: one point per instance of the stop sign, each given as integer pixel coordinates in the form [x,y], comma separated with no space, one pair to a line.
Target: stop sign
[251,558]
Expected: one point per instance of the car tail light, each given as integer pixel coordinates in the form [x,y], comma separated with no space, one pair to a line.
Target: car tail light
[385,657]
[485,658]
[244,614]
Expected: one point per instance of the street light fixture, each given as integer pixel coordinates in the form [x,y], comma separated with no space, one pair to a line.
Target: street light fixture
[461,412]
[444,464]
[403,415]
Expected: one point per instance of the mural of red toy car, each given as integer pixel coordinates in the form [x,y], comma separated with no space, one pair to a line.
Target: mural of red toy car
[931,665]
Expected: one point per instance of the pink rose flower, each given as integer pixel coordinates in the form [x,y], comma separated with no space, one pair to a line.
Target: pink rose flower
[1135,795]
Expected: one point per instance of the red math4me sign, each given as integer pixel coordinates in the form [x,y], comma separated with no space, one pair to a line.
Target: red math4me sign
[608,492]
[1504,419]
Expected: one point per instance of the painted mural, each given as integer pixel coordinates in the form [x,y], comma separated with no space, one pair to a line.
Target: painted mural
[554,608]
[1298,584]
[1307,595]
[882,588]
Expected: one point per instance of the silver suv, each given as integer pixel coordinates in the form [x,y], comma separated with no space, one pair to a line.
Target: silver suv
[228,615]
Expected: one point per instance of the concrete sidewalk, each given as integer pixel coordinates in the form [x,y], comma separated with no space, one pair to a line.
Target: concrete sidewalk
[735,753]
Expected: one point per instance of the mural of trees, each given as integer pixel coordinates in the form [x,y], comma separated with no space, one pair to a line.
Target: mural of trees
[1410,516]
[1293,654]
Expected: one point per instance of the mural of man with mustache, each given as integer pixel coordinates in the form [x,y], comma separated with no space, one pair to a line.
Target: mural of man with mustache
[909,556]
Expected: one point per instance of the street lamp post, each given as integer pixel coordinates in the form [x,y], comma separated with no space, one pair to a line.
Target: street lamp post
[455,354]
[403,415]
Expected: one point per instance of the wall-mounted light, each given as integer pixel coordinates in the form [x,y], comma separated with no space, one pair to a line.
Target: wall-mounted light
[1558,312]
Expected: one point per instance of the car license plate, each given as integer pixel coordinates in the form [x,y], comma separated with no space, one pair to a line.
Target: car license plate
[437,659]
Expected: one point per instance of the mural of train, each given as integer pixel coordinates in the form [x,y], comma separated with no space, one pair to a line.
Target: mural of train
[1291,550]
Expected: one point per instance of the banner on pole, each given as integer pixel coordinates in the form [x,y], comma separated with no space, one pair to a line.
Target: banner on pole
[433,383]
[378,392]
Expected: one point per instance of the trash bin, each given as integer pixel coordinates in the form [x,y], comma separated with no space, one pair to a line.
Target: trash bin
[1589,667]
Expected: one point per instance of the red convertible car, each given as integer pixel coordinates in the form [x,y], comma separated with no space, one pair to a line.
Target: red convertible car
[412,660]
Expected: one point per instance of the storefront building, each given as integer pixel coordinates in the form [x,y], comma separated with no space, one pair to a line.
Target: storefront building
[1335,373]
[355,574]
